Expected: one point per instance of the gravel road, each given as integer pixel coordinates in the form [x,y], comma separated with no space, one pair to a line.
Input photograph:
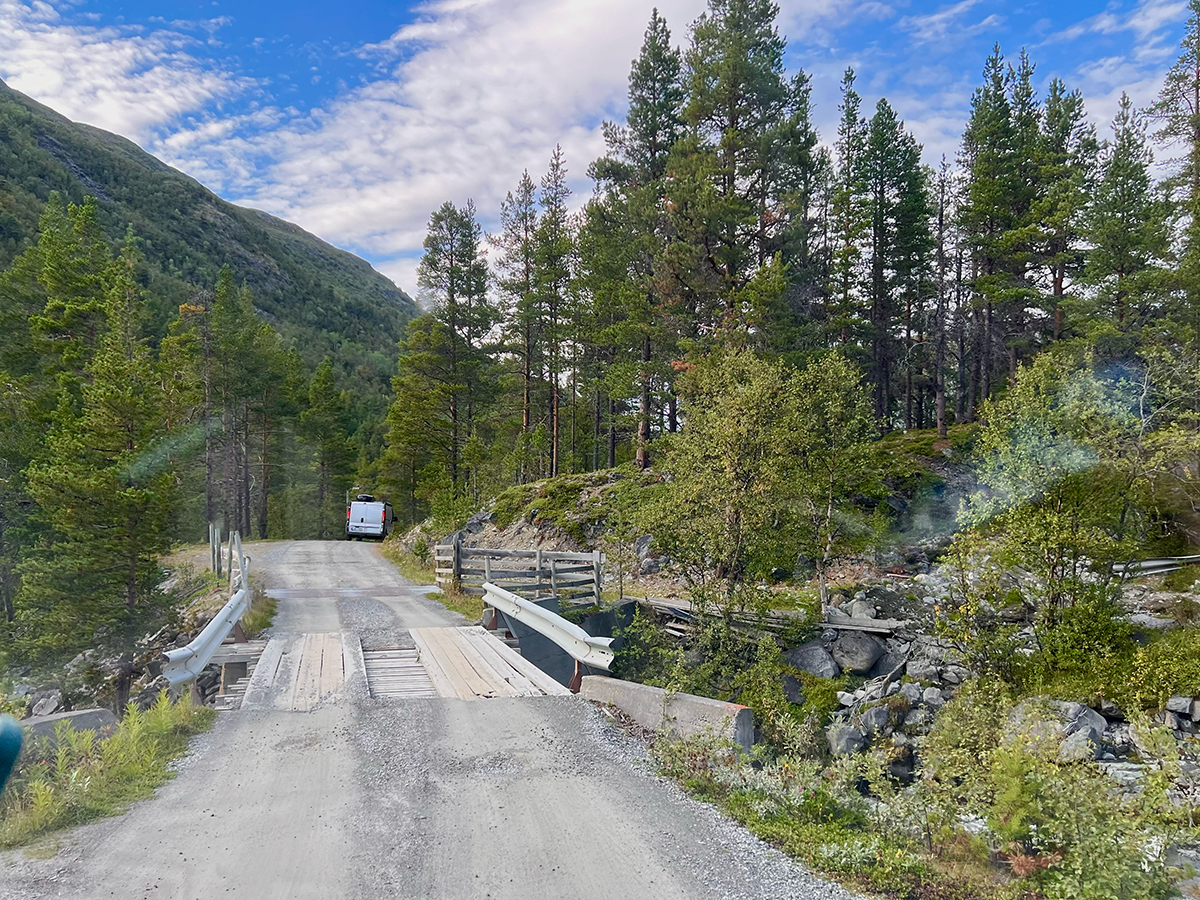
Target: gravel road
[362,799]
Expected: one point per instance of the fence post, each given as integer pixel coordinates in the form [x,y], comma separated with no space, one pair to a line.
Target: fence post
[487,569]
[217,531]
[553,578]
[597,563]
[537,578]
[457,564]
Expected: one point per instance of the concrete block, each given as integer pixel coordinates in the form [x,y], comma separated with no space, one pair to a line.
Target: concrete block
[681,714]
[44,727]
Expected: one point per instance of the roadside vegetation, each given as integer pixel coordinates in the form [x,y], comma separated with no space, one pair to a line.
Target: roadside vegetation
[77,776]
[417,565]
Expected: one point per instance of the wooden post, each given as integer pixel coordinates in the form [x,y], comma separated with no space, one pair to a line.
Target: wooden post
[456,565]
[553,578]
[487,569]
[537,565]
[217,532]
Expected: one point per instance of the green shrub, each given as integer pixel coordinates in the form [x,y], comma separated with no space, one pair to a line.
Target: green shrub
[77,778]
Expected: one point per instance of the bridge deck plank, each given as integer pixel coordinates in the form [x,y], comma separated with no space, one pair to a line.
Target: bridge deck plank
[442,682]
[482,643]
[543,681]
[494,676]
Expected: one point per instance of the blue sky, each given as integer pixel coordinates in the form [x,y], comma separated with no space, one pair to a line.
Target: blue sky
[355,118]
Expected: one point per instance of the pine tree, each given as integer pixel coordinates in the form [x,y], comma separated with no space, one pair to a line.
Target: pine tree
[1177,114]
[104,494]
[848,215]
[517,281]
[1127,222]
[555,246]
[323,426]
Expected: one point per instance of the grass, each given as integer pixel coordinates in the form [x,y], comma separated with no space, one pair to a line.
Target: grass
[78,778]
[261,615]
[420,572]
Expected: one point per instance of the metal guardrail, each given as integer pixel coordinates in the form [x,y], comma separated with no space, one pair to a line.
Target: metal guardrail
[593,652]
[185,663]
[1158,566]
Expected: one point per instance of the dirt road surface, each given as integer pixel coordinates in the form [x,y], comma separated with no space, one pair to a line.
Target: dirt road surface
[361,799]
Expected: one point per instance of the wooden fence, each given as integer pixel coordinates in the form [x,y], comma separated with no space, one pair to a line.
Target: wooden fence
[531,573]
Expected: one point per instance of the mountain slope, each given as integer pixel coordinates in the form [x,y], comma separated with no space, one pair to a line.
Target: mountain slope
[325,300]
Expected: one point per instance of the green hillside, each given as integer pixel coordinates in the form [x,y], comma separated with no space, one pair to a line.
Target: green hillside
[324,300]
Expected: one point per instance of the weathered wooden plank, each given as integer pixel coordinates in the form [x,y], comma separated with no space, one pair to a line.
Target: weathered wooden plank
[332,665]
[482,642]
[444,682]
[308,679]
[456,665]
[526,668]
[258,691]
[488,673]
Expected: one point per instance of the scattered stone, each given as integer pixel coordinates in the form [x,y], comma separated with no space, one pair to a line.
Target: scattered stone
[814,659]
[917,717]
[922,670]
[862,609]
[857,652]
[932,697]
[45,703]
[846,699]
[1180,705]
[641,546]
[793,690]
[845,740]
[899,739]
[875,719]
[1145,620]
[1194,715]
[835,612]
[911,693]
[649,567]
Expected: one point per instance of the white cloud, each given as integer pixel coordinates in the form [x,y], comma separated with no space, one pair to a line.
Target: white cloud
[947,25]
[126,80]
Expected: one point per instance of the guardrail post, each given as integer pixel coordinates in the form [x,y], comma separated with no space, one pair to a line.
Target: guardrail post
[597,562]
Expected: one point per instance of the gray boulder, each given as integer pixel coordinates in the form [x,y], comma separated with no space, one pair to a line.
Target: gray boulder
[857,652]
[1194,715]
[911,693]
[1180,705]
[891,662]
[45,703]
[641,546]
[46,727]
[814,659]
[1045,726]
[793,690]
[862,609]
[649,567]
[922,669]
[875,719]
[933,698]
[1078,747]
[845,740]
[833,613]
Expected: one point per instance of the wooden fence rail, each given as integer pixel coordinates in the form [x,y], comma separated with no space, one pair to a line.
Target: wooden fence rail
[562,573]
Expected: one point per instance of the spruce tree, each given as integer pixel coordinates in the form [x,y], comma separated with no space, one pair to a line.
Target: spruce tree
[554,250]
[1127,224]
[323,426]
[104,494]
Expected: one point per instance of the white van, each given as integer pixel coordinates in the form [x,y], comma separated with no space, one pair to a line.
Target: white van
[368,517]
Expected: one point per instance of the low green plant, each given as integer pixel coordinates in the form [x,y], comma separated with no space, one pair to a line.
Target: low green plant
[1182,579]
[410,565]
[76,777]
[261,615]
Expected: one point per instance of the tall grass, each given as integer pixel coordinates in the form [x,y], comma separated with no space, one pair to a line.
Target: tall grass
[77,778]
[415,570]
